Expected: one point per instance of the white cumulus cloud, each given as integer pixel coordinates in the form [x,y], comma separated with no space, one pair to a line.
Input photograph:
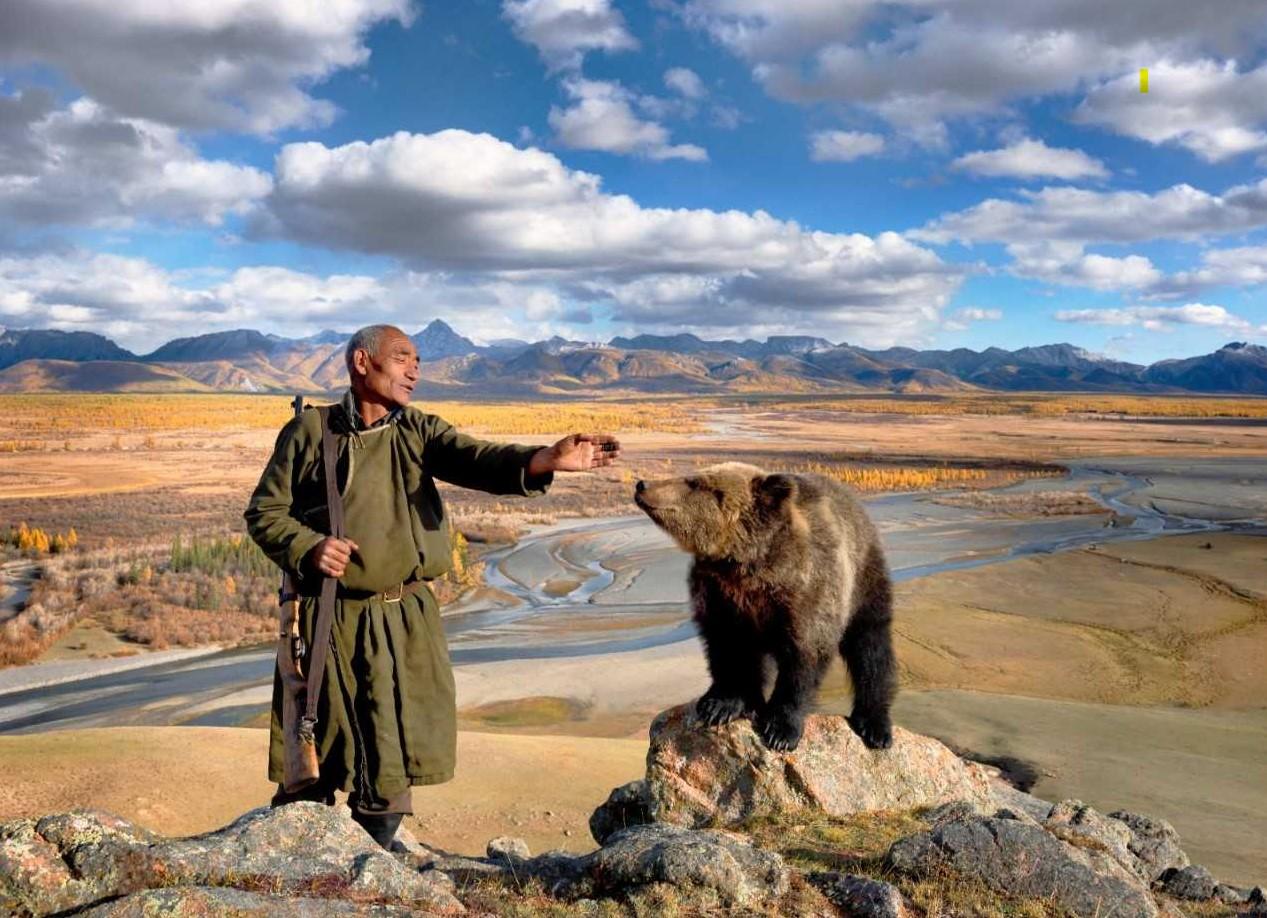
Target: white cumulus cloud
[1209,107]
[923,63]
[1160,318]
[1082,215]
[84,165]
[1030,158]
[142,305]
[601,117]
[563,31]
[685,83]
[462,202]
[1067,263]
[213,64]
[843,146]
[960,319]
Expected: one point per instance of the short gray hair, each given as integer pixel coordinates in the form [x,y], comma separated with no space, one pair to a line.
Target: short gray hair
[368,339]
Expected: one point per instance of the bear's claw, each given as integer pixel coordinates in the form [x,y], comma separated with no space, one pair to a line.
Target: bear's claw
[875,733]
[779,733]
[716,711]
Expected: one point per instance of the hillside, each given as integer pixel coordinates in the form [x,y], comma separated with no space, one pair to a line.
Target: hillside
[95,376]
[17,345]
[245,360]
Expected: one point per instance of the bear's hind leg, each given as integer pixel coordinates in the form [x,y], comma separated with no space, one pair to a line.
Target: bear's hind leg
[782,719]
[736,668]
[867,648]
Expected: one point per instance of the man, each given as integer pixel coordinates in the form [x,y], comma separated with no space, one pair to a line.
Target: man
[386,712]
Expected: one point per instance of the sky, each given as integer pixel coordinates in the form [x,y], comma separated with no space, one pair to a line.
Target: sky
[925,173]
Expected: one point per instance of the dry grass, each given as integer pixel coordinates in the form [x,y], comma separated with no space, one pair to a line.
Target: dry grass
[527,898]
[54,416]
[1035,503]
[858,844]
[1037,405]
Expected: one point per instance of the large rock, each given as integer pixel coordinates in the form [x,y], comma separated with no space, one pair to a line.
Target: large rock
[699,775]
[1193,882]
[627,805]
[1154,841]
[1020,858]
[1079,824]
[219,902]
[73,860]
[860,897]
[728,864]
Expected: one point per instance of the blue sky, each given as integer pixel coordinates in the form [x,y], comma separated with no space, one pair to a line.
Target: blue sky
[921,172]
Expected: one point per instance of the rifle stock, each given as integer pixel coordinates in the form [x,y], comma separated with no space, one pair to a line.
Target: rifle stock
[300,768]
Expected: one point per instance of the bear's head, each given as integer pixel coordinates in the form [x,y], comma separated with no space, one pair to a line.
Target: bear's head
[724,512]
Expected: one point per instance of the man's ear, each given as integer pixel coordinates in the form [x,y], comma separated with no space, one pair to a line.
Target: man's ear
[773,491]
[361,362]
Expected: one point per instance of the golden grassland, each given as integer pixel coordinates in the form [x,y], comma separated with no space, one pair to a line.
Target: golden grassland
[875,479]
[55,416]
[1036,405]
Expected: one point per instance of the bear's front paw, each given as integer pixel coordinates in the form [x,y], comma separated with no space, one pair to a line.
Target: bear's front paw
[716,711]
[780,730]
[875,732]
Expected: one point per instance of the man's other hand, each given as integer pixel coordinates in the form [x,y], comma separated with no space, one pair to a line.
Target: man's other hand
[330,556]
[575,453]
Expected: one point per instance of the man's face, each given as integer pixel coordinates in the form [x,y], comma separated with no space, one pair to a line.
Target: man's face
[388,378]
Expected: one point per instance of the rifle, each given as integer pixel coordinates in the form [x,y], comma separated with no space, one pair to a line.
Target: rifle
[300,768]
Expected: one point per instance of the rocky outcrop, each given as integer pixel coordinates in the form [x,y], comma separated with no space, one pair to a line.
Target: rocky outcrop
[1194,883]
[627,805]
[958,821]
[1017,857]
[75,860]
[699,775]
[860,897]
[725,864]
[1154,842]
[728,864]
[1080,825]
[220,902]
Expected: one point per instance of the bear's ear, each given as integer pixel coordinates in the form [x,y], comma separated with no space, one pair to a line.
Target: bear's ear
[774,490]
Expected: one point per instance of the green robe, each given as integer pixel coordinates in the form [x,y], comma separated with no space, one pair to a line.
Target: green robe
[386,712]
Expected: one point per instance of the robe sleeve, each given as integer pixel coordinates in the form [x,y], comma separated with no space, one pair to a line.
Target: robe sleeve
[269,519]
[463,460]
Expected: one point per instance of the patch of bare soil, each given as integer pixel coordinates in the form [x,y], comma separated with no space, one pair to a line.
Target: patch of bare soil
[185,780]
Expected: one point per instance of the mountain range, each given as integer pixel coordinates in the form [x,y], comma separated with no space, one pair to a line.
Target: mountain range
[245,360]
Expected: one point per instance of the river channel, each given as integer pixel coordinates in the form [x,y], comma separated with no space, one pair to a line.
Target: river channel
[597,586]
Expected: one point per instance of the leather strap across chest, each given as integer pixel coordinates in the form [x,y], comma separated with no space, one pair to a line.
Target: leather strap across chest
[329,585]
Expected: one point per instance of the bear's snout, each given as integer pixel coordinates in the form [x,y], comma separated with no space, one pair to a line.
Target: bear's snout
[640,486]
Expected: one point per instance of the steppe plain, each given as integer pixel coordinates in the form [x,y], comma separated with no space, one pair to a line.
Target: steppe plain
[1118,659]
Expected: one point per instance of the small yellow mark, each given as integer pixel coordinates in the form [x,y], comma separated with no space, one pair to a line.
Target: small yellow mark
[1143,79]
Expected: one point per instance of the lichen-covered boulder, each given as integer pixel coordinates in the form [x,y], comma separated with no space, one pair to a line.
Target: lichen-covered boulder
[73,860]
[699,775]
[69,860]
[860,897]
[1077,823]
[627,805]
[1021,858]
[1154,841]
[1193,882]
[220,902]
[730,865]
[507,848]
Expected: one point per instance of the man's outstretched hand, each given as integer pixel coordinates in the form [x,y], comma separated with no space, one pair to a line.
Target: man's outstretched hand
[575,453]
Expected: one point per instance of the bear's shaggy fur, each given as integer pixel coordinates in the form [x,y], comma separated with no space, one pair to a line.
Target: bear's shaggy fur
[788,569]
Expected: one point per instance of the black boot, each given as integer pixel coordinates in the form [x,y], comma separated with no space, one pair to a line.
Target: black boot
[381,826]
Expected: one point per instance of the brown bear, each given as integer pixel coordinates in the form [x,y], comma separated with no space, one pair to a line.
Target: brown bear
[787,569]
